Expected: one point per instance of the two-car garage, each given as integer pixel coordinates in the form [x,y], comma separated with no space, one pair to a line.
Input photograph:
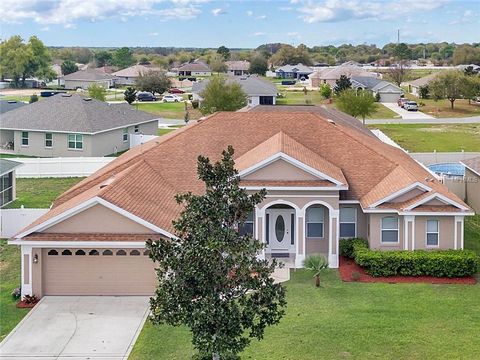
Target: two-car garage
[111,271]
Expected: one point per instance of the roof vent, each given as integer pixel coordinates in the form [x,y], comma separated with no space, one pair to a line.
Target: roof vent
[331,121]
[87,99]
[66,95]
[107,182]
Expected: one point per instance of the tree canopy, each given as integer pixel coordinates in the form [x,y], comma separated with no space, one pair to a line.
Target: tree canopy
[224,51]
[209,276]
[68,67]
[451,85]
[356,103]
[258,65]
[97,92]
[220,95]
[123,57]
[154,82]
[341,84]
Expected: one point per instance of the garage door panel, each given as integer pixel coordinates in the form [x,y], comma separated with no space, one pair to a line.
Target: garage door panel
[98,275]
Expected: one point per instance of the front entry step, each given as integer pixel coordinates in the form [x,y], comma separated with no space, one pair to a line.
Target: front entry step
[280,255]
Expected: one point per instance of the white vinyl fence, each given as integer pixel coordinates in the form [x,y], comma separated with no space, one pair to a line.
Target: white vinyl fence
[60,167]
[14,220]
[385,138]
[441,157]
[139,139]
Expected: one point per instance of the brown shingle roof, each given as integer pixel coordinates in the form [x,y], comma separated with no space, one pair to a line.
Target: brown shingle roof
[473,164]
[89,237]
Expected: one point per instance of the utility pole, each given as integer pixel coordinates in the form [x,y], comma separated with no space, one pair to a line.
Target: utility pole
[398,36]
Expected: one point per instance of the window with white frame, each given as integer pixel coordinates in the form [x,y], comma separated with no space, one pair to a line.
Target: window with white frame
[24,138]
[48,140]
[6,188]
[75,141]
[247,226]
[432,232]
[125,135]
[390,229]
[348,222]
[136,129]
[314,221]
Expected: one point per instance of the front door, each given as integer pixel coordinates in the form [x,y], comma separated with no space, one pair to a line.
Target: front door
[281,230]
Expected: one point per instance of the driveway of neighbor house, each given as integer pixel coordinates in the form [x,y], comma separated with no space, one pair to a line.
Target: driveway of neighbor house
[78,327]
[406,114]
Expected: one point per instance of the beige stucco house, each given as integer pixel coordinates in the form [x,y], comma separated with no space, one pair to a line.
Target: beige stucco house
[67,125]
[130,75]
[83,79]
[325,180]
[472,182]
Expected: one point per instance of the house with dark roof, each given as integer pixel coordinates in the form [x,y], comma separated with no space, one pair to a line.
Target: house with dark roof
[83,79]
[298,71]
[329,75]
[237,68]
[388,92]
[8,181]
[325,180]
[259,91]
[8,105]
[66,125]
[194,68]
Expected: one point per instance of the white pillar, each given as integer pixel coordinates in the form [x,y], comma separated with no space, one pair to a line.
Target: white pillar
[26,268]
[299,258]
[333,238]
[408,219]
[258,216]
[458,241]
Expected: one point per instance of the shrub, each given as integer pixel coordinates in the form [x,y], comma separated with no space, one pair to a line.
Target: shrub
[33,98]
[195,104]
[439,263]
[16,293]
[346,246]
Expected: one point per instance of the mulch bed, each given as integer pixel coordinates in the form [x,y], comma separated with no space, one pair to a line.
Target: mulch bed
[349,266]
[23,305]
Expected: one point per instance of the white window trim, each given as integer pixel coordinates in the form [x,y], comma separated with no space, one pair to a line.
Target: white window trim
[22,138]
[431,232]
[75,141]
[348,222]
[382,229]
[45,142]
[125,134]
[314,222]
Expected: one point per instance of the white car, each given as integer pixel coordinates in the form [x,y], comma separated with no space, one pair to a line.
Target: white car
[411,106]
[171,98]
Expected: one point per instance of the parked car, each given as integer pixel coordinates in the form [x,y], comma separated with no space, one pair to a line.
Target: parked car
[171,98]
[288,82]
[146,96]
[175,91]
[410,106]
[401,102]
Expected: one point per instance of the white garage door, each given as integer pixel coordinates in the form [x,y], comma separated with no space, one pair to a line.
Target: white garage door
[97,272]
[389,98]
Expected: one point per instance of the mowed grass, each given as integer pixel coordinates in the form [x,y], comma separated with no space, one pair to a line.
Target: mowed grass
[290,97]
[472,233]
[40,192]
[169,110]
[9,280]
[442,108]
[351,320]
[439,137]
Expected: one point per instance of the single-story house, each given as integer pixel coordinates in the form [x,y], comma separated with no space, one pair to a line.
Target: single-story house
[415,85]
[324,181]
[8,181]
[259,91]
[68,125]
[83,79]
[389,93]
[238,68]
[298,71]
[8,105]
[472,182]
[129,75]
[330,75]
[195,68]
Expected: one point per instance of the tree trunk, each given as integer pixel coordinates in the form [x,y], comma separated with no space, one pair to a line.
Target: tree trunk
[451,103]
[317,281]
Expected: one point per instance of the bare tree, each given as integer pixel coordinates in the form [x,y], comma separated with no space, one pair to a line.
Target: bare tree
[398,72]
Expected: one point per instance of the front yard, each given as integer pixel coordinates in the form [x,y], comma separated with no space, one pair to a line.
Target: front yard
[442,108]
[169,110]
[439,137]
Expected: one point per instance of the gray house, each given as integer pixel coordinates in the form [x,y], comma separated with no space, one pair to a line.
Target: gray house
[259,91]
[298,71]
[71,125]
[7,181]
[83,79]
[388,92]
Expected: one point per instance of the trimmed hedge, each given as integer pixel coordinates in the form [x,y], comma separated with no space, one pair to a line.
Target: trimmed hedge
[346,246]
[437,263]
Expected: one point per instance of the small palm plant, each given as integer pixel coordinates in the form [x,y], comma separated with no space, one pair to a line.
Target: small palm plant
[316,263]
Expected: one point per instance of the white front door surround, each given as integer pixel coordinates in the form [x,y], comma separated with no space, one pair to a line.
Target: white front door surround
[280,232]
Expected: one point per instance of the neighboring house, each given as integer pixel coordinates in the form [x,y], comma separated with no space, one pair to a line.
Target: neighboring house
[298,71]
[415,85]
[389,93]
[259,91]
[8,105]
[7,181]
[58,81]
[330,75]
[324,180]
[472,182]
[130,75]
[195,68]
[83,79]
[67,125]
[237,68]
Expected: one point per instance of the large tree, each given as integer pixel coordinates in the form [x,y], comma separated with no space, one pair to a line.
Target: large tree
[357,103]
[449,85]
[68,67]
[342,84]
[97,92]
[209,276]
[103,58]
[224,51]
[154,82]
[258,65]
[220,95]
[123,57]
[217,63]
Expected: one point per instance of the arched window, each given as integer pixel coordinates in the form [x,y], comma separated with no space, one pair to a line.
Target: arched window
[121,253]
[66,252]
[314,221]
[93,252]
[107,252]
[390,230]
[134,253]
[53,252]
[80,252]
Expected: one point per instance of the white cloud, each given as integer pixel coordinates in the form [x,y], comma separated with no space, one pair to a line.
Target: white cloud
[467,17]
[153,34]
[261,17]
[68,12]
[259,33]
[249,13]
[337,10]
[293,34]
[218,11]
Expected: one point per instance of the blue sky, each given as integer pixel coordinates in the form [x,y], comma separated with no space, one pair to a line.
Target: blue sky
[247,24]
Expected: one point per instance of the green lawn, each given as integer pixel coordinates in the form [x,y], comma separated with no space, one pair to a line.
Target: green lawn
[290,97]
[9,280]
[381,112]
[41,192]
[352,320]
[169,110]
[472,233]
[439,137]
[442,108]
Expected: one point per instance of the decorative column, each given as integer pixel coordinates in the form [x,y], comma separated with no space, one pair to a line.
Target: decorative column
[26,276]
[409,232]
[333,238]
[458,236]
[299,239]
[259,233]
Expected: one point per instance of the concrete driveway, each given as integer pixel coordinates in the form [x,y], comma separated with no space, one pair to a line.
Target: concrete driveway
[78,327]
[406,114]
